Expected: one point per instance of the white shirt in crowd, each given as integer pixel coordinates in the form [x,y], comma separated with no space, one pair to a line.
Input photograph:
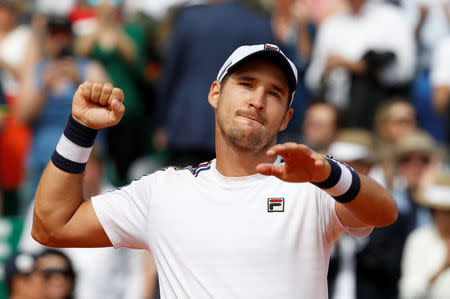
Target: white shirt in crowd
[156,9]
[435,27]
[13,50]
[440,68]
[220,237]
[424,253]
[379,27]
[54,7]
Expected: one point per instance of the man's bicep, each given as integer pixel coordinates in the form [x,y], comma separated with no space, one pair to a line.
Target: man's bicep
[84,229]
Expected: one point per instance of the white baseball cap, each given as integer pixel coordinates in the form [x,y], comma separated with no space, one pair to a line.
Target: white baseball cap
[270,51]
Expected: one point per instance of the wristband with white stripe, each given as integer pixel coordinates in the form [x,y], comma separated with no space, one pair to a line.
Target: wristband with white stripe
[74,147]
[343,184]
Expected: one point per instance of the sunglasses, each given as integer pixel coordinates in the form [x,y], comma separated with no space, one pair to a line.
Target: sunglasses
[57,271]
[98,2]
[408,158]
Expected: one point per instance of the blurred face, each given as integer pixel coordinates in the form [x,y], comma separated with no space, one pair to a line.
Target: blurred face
[251,106]
[30,286]
[6,18]
[58,278]
[319,127]
[107,10]
[401,121]
[412,166]
[56,41]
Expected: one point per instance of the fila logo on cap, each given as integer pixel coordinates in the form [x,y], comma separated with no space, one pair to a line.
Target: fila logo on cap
[271,47]
[275,204]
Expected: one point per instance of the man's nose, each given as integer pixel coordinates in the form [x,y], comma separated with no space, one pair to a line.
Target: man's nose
[258,100]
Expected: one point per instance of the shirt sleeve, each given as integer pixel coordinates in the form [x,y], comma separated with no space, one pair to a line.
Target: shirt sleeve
[123,213]
[332,226]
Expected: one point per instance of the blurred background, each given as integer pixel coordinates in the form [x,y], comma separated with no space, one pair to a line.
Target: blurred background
[374,92]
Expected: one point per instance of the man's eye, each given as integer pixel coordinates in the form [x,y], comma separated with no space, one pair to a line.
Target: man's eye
[246,84]
[274,94]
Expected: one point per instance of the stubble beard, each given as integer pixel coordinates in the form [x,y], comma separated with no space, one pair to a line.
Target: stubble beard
[245,141]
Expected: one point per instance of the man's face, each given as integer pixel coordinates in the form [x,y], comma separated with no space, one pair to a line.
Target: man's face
[251,106]
[319,127]
[31,286]
[59,281]
[401,121]
[413,166]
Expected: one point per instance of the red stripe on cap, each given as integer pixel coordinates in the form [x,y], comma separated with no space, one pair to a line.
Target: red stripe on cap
[275,200]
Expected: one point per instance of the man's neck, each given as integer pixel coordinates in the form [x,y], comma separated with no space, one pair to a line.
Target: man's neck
[232,161]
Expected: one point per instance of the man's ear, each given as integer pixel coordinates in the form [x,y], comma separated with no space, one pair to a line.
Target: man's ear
[286,119]
[214,92]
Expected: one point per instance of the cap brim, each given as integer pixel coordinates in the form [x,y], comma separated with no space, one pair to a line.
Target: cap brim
[277,58]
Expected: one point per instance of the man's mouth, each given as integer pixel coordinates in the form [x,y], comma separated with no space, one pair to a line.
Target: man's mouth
[251,117]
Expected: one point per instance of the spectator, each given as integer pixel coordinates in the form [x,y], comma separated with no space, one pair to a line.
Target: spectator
[19,51]
[47,97]
[431,27]
[118,46]
[22,279]
[426,258]
[322,120]
[3,108]
[358,61]
[58,272]
[291,23]
[3,113]
[394,119]
[440,81]
[416,158]
[200,42]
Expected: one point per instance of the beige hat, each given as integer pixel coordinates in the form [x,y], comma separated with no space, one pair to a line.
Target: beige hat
[418,141]
[437,196]
[353,145]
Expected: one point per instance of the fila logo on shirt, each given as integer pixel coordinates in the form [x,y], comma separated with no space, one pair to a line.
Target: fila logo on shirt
[275,204]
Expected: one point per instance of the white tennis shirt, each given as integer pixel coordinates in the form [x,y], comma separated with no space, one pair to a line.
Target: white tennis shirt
[220,237]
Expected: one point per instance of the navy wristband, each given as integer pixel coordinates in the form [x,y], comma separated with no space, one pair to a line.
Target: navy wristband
[343,184]
[74,147]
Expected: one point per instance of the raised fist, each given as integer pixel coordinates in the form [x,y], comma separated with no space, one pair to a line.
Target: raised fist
[98,105]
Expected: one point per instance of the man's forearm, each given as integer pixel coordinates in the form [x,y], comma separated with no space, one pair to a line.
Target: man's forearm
[373,205]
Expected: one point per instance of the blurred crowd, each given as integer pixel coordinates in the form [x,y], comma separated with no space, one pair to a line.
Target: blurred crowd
[374,92]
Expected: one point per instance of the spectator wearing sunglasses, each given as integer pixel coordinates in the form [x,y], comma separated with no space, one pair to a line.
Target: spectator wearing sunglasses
[22,279]
[416,157]
[58,272]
